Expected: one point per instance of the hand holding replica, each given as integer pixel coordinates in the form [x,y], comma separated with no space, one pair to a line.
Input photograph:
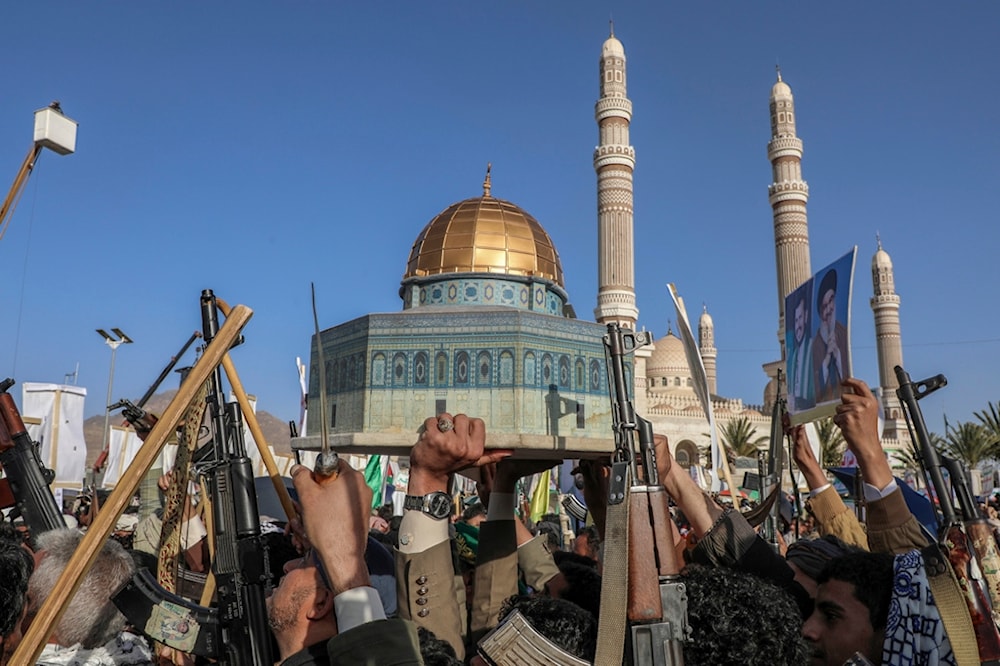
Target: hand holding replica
[446,445]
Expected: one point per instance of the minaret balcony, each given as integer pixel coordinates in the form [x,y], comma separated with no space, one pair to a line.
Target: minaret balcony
[784,146]
[788,187]
[613,107]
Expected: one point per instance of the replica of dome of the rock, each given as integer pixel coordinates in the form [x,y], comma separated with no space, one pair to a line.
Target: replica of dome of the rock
[485,235]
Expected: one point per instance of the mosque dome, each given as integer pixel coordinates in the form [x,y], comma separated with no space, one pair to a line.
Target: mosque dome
[484,235]
[668,358]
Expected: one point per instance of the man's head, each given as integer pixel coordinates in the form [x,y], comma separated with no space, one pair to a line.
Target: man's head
[808,557]
[826,305]
[801,316]
[300,608]
[852,606]
[90,618]
[15,569]
[737,618]
[569,627]
[474,514]
[588,543]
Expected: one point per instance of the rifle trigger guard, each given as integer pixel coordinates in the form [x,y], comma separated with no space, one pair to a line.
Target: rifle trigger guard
[618,483]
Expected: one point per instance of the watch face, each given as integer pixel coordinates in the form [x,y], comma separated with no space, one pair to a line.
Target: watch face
[439,505]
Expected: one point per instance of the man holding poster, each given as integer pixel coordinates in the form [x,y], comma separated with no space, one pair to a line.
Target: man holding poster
[831,363]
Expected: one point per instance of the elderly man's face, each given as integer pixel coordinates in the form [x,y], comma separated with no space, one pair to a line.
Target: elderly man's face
[800,321]
[840,626]
[828,307]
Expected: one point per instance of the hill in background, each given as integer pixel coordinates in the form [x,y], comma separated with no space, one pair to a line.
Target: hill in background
[275,430]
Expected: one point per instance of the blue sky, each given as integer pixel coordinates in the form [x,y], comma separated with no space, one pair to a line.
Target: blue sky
[256,147]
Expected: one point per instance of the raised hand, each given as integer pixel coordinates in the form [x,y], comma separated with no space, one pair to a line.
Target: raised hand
[857,417]
[446,445]
[340,542]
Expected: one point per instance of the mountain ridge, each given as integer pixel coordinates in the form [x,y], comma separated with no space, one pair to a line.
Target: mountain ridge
[275,430]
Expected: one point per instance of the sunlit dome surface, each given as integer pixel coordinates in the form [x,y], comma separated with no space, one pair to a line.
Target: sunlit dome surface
[484,235]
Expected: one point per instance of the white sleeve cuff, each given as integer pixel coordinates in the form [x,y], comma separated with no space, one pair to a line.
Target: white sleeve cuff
[501,507]
[419,532]
[873,494]
[356,607]
[817,491]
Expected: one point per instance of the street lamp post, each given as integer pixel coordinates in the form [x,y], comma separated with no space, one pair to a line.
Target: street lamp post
[113,342]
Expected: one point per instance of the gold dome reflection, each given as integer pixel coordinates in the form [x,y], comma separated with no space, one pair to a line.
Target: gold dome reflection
[484,235]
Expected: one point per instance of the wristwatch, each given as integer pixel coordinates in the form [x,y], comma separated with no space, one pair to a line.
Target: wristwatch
[436,505]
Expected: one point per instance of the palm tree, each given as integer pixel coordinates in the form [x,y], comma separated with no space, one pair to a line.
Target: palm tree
[990,419]
[739,437]
[831,443]
[972,443]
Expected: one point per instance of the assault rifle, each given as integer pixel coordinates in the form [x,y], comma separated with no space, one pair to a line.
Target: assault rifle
[236,632]
[656,606]
[26,477]
[957,537]
[140,419]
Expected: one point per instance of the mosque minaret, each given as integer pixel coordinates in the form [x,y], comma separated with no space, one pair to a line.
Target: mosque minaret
[706,346]
[614,162]
[885,306]
[788,195]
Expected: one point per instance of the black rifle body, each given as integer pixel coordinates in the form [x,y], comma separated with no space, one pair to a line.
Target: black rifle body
[28,478]
[236,632]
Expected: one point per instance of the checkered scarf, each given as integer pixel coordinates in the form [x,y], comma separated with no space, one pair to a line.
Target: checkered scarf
[914,632]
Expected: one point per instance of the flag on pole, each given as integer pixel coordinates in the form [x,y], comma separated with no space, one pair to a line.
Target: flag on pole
[375,473]
[540,496]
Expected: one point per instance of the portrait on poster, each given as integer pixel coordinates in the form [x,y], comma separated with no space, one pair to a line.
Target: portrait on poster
[817,340]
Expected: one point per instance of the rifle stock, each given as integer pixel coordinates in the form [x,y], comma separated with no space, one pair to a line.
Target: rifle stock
[656,605]
[26,475]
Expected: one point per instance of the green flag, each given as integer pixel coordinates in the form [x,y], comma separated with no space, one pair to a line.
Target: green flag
[375,478]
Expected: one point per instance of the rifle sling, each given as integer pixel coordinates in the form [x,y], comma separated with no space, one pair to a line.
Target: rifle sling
[614,584]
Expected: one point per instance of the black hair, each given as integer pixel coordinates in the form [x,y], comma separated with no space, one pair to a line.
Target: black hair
[16,566]
[473,510]
[583,586]
[564,623]
[738,618]
[871,574]
[568,556]
[436,652]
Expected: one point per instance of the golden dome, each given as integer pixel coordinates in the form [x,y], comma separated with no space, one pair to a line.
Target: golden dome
[484,235]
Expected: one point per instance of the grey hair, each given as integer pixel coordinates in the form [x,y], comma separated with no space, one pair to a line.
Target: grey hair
[91,619]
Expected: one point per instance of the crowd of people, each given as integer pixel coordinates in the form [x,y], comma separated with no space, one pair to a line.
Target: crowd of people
[478,583]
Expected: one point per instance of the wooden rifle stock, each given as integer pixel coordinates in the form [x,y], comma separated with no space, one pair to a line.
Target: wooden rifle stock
[644,602]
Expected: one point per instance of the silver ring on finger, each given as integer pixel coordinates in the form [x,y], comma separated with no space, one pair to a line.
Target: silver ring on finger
[444,425]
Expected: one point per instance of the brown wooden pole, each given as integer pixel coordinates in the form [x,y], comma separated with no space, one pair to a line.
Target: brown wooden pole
[68,583]
[254,424]
[258,436]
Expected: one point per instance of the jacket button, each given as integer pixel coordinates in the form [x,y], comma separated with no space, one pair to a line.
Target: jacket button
[422,591]
[423,612]
[421,601]
[422,580]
